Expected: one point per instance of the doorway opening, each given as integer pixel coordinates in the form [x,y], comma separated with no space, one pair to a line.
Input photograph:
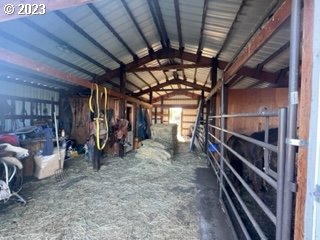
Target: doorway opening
[175,116]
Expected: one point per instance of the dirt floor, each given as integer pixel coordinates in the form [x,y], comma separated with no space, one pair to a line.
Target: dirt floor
[127,199]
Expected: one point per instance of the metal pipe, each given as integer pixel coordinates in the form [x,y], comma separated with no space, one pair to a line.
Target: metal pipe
[251,140]
[261,204]
[265,177]
[280,169]
[253,114]
[293,98]
[266,152]
[242,226]
[246,210]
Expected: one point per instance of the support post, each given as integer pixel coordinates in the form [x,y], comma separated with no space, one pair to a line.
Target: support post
[223,107]
[161,109]
[122,113]
[155,115]
[293,98]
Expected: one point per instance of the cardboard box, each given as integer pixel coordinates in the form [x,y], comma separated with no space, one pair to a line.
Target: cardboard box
[47,165]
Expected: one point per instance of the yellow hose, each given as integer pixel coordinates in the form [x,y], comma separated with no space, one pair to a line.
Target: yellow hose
[97,119]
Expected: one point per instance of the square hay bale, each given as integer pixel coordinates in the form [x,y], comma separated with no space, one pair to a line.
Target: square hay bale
[166,134]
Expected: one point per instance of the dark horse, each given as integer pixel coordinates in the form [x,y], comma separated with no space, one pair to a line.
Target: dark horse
[253,153]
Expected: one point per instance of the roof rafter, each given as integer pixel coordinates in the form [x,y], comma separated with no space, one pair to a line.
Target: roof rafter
[255,43]
[171,82]
[171,67]
[111,29]
[176,93]
[230,30]
[44,53]
[124,3]
[50,5]
[178,20]
[87,36]
[173,53]
[28,63]
[61,42]
[162,41]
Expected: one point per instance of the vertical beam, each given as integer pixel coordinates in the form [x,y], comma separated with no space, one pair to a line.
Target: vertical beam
[206,127]
[293,98]
[155,115]
[222,136]
[122,113]
[134,124]
[150,97]
[202,99]
[213,99]
[161,102]
[304,117]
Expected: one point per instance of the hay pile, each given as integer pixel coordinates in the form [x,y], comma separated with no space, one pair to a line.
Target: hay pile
[151,150]
[166,134]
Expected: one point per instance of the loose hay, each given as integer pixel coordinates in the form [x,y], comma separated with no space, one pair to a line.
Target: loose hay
[127,199]
[153,151]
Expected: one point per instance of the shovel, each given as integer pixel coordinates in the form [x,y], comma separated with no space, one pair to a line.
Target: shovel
[59,174]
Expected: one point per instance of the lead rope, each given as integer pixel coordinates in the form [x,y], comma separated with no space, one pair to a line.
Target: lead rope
[97,119]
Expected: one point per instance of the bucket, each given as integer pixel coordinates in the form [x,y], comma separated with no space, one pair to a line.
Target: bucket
[213,147]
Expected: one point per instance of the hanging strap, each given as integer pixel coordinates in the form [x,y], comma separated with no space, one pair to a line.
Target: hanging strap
[97,118]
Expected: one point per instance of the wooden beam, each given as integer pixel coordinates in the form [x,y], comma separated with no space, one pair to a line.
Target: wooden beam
[122,105]
[50,5]
[171,67]
[304,115]
[177,90]
[171,82]
[28,63]
[267,30]
[176,93]
[214,90]
[184,106]
[203,62]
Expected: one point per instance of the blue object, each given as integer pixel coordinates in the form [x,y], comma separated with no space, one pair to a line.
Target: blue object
[213,147]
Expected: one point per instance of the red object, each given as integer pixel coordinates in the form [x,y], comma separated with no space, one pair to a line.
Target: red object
[9,138]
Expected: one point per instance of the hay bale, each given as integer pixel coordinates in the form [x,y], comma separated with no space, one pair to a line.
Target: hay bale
[153,151]
[166,134]
[153,144]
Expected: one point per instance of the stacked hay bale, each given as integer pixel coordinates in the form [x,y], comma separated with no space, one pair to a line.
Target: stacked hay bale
[166,134]
[153,151]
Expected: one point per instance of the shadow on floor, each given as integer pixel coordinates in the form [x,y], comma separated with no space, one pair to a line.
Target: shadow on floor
[213,222]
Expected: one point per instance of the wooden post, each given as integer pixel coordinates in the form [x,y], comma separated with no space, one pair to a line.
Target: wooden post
[213,100]
[304,115]
[122,103]
[155,115]
[161,109]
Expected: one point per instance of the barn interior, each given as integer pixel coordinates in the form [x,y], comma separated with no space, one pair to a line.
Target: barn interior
[149,119]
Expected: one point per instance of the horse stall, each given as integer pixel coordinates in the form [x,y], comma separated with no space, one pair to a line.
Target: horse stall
[250,160]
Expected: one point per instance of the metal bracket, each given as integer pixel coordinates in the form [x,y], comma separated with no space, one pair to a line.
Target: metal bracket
[297,142]
[316,193]
[293,187]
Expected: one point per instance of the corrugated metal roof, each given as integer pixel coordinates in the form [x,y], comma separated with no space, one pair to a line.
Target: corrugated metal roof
[220,15]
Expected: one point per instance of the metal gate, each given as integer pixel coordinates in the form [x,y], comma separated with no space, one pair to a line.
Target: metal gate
[246,206]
